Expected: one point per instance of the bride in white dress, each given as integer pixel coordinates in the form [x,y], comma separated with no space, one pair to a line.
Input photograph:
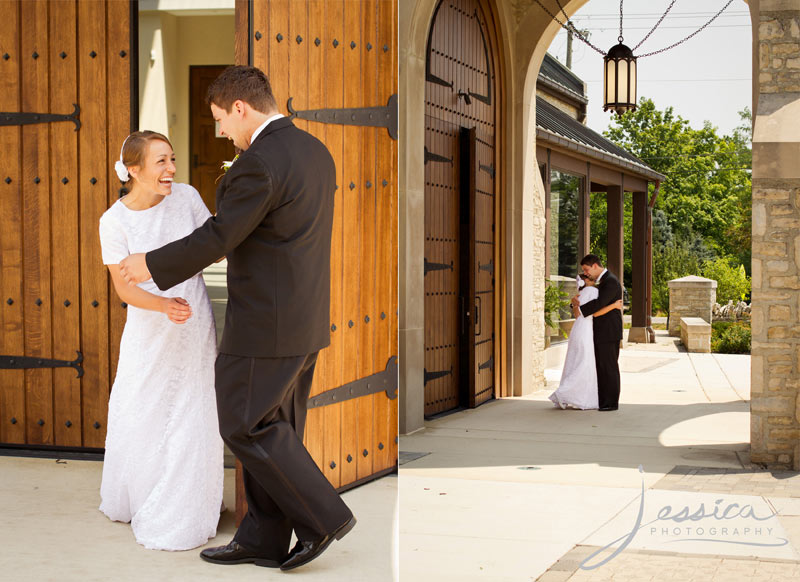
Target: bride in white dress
[578,385]
[163,467]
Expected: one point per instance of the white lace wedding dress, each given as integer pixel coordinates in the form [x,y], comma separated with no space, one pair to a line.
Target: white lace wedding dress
[578,385]
[163,467]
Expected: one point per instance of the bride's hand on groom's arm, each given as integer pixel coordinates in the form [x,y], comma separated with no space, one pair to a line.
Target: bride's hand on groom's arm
[176,309]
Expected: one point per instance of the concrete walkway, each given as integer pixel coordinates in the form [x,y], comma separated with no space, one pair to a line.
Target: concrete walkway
[53,531]
[518,490]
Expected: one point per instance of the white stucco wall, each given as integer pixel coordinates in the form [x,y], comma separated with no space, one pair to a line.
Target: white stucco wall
[168,46]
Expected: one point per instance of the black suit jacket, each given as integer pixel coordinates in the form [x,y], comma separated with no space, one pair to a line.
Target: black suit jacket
[273,222]
[607,328]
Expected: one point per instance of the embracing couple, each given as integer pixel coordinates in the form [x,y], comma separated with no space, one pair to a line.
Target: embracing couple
[590,379]
[173,396]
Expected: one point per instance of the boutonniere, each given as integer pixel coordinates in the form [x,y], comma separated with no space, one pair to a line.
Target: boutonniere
[225,166]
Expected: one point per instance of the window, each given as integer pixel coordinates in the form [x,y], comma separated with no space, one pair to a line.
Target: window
[565,192]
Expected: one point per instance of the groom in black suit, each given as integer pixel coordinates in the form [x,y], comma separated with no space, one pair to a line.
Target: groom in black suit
[607,330]
[273,223]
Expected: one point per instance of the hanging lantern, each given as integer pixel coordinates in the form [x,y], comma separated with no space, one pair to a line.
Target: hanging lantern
[619,79]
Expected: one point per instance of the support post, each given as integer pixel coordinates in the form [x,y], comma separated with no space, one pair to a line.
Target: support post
[615,236]
[584,220]
[639,256]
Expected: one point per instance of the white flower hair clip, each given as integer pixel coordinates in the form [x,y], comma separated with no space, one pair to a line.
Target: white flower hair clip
[119,166]
[122,171]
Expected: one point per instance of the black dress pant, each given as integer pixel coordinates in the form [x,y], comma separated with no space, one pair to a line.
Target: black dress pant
[261,404]
[606,359]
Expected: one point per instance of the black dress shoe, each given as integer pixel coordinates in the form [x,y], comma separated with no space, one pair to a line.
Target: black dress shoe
[607,408]
[235,553]
[304,551]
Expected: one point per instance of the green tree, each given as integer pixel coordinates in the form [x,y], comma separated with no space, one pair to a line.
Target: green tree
[708,176]
[703,208]
[733,284]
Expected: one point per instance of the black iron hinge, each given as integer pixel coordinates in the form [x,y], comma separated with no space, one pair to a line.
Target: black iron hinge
[8,118]
[436,266]
[27,362]
[429,376]
[432,157]
[385,381]
[361,116]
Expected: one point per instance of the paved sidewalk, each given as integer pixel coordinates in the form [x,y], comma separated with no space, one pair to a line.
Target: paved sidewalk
[53,531]
[518,490]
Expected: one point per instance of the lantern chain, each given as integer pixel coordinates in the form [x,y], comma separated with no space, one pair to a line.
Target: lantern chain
[570,27]
[660,20]
[713,18]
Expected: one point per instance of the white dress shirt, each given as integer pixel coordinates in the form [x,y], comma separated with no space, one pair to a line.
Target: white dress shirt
[261,127]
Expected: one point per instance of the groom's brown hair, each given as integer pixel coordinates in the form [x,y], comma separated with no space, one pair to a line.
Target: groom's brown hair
[590,260]
[248,84]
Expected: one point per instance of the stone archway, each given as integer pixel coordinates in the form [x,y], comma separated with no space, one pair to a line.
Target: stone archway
[525,36]
[415,19]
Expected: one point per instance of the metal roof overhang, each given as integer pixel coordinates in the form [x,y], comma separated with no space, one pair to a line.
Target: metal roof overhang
[545,136]
[556,128]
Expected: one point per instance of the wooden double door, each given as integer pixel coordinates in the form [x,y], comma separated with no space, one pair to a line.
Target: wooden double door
[68,96]
[65,94]
[322,57]
[460,201]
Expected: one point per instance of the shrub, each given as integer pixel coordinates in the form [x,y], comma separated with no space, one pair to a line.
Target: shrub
[733,284]
[730,337]
[555,300]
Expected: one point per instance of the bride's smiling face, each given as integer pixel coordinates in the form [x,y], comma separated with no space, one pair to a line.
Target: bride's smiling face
[158,169]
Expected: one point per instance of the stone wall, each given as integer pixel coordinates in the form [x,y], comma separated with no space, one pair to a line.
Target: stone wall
[779,52]
[775,376]
[690,297]
[775,407]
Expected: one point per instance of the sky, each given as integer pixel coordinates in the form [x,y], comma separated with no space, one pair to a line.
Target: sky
[707,78]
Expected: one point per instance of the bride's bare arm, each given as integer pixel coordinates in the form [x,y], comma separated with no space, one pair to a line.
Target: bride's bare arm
[610,307]
[176,309]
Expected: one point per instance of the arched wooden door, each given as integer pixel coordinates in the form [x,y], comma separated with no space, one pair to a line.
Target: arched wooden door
[65,98]
[322,57]
[460,202]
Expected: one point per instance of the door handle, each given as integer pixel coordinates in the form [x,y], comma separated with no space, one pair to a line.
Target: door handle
[478,314]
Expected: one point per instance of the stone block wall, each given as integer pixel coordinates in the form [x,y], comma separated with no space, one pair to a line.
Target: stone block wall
[690,297]
[696,334]
[775,406]
[775,360]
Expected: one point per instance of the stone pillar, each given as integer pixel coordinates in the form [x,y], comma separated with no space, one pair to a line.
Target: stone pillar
[775,362]
[690,296]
